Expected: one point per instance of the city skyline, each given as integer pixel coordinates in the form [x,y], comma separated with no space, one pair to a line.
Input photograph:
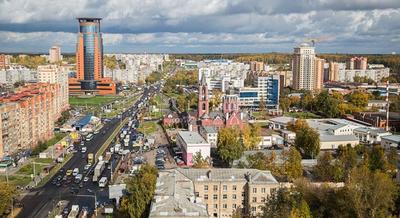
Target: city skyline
[210,26]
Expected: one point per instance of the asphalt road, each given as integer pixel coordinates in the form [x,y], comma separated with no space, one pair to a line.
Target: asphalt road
[39,202]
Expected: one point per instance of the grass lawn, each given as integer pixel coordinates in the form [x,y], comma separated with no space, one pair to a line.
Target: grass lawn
[17,180]
[40,164]
[147,127]
[303,115]
[94,101]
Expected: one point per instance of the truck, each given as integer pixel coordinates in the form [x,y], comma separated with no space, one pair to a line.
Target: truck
[74,211]
[107,158]
[90,158]
[98,170]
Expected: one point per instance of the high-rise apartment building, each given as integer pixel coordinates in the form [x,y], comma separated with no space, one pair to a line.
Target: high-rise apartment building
[27,117]
[56,75]
[256,66]
[357,63]
[4,61]
[89,61]
[55,54]
[304,67]
[319,73]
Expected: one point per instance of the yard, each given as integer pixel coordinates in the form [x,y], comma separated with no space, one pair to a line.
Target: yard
[40,164]
[147,127]
[303,115]
[93,101]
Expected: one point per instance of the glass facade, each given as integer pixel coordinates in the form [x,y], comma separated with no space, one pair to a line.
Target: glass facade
[90,32]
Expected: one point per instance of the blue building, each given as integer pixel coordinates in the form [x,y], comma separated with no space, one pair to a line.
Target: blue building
[264,88]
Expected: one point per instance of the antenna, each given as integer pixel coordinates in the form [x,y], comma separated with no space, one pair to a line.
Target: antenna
[387,106]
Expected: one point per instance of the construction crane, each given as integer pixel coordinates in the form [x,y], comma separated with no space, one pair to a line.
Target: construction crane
[318,39]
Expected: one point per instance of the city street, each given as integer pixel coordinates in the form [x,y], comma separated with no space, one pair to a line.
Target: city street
[39,202]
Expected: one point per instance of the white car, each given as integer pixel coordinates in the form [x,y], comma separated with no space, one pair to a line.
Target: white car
[75,172]
[84,149]
[85,179]
[87,166]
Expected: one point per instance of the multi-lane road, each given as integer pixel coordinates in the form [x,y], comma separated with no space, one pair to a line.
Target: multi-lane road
[39,202]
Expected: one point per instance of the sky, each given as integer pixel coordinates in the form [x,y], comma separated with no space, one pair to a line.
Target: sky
[204,26]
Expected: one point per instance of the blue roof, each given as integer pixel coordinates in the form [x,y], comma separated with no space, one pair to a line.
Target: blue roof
[84,121]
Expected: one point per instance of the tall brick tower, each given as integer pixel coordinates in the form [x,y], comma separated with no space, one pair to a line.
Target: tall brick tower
[203,104]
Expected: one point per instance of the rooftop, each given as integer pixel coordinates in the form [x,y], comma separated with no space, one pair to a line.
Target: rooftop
[192,137]
[283,119]
[337,138]
[395,138]
[210,129]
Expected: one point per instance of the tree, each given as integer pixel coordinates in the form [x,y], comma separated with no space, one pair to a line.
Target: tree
[307,140]
[292,164]
[301,211]
[199,161]
[141,190]
[285,203]
[7,193]
[359,99]
[327,104]
[326,170]
[262,105]
[284,104]
[372,193]
[251,136]
[229,145]
[297,125]
[346,159]
[216,99]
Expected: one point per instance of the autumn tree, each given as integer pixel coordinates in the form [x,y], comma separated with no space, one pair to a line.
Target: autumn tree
[7,193]
[284,104]
[262,106]
[359,99]
[292,164]
[307,140]
[372,193]
[199,161]
[216,99]
[251,136]
[229,146]
[140,189]
[297,125]
[285,202]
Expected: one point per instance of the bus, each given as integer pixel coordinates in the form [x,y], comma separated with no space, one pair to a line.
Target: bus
[103,182]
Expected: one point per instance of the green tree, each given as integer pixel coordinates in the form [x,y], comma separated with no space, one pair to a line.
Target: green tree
[377,158]
[372,193]
[301,211]
[7,193]
[292,164]
[359,99]
[284,104]
[307,140]
[326,170]
[141,190]
[285,203]
[327,105]
[229,146]
[199,161]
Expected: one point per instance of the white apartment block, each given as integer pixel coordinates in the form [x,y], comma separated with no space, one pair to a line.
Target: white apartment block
[376,74]
[304,67]
[17,73]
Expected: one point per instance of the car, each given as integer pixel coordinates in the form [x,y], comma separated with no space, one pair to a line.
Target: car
[75,172]
[80,185]
[68,173]
[160,167]
[82,143]
[58,184]
[87,166]
[85,179]
[54,181]
[65,211]
[83,149]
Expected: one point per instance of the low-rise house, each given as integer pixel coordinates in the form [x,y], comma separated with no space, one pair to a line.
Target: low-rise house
[390,141]
[191,143]
[332,142]
[210,134]
[370,135]
[269,138]
[378,104]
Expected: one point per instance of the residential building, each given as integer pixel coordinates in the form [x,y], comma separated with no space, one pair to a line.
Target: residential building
[375,74]
[55,54]
[89,61]
[319,73]
[4,61]
[257,66]
[265,88]
[175,197]
[210,134]
[27,117]
[333,71]
[225,190]
[377,104]
[304,67]
[191,143]
[55,74]
[357,63]
[17,73]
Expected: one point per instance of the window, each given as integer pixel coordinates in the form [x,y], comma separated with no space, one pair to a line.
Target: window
[234,206]
[262,199]
[262,190]
[234,187]
[197,194]
[215,197]
[225,196]
[205,197]
[206,188]
[224,206]
[234,196]
[225,187]
[215,205]
[254,190]
[254,199]
[242,194]
[253,209]
[215,187]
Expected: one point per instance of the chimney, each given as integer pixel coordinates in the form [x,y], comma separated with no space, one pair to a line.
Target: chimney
[209,174]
